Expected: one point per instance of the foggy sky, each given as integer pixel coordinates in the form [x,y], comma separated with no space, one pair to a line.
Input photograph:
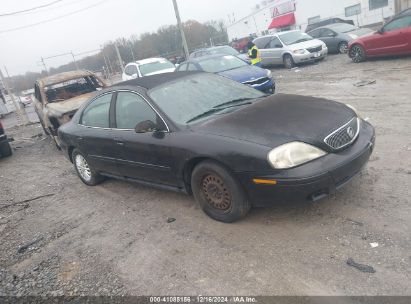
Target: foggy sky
[21,50]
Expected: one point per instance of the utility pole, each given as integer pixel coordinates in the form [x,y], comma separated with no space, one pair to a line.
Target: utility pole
[74,60]
[44,64]
[180,26]
[21,115]
[132,52]
[119,57]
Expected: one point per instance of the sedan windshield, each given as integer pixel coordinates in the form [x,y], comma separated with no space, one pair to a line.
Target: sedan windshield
[154,67]
[199,96]
[221,64]
[294,37]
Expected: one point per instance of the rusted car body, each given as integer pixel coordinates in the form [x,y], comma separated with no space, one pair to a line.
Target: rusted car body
[58,97]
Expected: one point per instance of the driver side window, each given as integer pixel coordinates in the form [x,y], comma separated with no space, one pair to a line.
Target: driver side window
[398,24]
[132,109]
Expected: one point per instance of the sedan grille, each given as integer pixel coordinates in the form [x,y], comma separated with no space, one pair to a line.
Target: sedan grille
[344,136]
[315,49]
[257,81]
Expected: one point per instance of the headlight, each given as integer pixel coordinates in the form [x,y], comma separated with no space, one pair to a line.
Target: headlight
[353,36]
[354,109]
[299,52]
[269,74]
[293,154]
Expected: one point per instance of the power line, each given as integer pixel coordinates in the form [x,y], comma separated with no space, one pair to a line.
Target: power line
[31,9]
[46,9]
[52,19]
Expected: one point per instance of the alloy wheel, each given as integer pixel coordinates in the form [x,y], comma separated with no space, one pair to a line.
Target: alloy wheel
[357,54]
[343,48]
[83,167]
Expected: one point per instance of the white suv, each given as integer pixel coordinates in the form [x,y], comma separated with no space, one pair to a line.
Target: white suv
[147,67]
[290,48]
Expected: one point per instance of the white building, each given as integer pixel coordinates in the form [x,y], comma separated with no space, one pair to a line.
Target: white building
[280,15]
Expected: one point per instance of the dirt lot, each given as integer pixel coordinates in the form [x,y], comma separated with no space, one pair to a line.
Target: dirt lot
[114,239]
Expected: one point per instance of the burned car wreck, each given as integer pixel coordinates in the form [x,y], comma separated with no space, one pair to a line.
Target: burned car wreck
[58,97]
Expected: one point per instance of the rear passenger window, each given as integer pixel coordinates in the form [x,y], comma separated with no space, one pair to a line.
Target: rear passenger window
[97,113]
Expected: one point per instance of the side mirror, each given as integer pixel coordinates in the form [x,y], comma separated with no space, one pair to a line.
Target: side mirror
[145,127]
[381,31]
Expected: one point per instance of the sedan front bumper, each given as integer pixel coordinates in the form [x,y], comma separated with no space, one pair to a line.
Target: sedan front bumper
[314,180]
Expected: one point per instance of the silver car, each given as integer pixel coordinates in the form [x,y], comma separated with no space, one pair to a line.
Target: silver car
[290,48]
[337,36]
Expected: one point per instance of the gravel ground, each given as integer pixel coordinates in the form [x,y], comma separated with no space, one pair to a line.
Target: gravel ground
[60,237]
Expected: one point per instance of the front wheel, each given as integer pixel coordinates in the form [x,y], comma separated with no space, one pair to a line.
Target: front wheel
[343,47]
[357,53]
[218,192]
[288,61]
[86,173]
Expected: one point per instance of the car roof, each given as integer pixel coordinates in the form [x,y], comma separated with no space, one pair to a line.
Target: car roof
[148,60]
[406,12]
[277,34]
[150,82]
[66,76]
[199,59]
[330,26]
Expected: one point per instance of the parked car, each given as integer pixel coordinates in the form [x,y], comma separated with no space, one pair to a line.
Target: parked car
[325,22]
[147,67]
[229,145]
[219,50]
[233,68]
[26,100]
[290,48]
[337,36]
[394,38]
[58,97]
[5,149]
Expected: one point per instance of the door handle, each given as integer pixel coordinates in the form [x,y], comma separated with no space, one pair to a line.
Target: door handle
[119,141]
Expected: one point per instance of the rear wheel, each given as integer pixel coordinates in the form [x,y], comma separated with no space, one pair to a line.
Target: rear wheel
[5,150]
[218,192]
[86,173]
[288,61]
[343,47]
[357,53]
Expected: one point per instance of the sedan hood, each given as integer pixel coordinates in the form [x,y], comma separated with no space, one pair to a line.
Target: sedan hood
[245,73]
[361,32]
[305,45]
[280,119]
[58,109]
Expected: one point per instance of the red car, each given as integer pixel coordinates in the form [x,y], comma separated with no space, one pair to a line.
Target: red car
[394,38]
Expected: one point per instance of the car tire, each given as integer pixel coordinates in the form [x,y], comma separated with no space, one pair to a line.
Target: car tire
[218,192]
[288,61]
[86,173]
[357,53]
[343,47]
[5,150]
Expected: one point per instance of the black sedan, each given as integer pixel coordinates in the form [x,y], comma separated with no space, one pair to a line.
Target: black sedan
[229,145]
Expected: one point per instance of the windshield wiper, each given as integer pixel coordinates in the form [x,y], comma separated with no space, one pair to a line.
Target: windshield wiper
[205,114]
[233,102]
